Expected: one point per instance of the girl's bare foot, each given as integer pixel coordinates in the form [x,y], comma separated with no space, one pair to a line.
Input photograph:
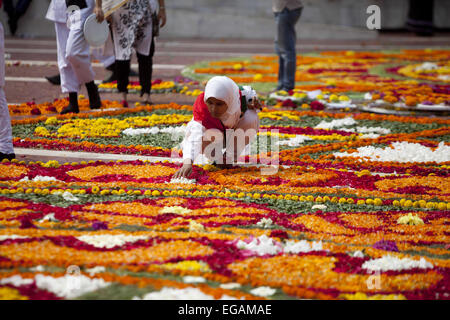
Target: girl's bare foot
[124,101]
[147,100]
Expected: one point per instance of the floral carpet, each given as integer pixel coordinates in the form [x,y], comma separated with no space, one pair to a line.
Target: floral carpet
[397,82]
[356,205]
[363,196]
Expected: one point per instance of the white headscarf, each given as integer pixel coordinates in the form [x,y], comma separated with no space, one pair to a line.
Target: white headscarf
[225,89]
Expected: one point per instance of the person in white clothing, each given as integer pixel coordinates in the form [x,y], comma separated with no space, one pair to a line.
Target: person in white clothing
[74,61]
[6,145]
[224,116]
[106,57]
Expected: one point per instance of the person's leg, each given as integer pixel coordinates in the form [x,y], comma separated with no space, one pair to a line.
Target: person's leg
[94,97]
[123,36]
[8,6]
[73,104]
[21,7]
[6,145]
[291,57]
[123,73]
[145,49]
[145,72]
[279,52]
[145,76]
[420,17]
[286,45]
[69,81]
[77,53]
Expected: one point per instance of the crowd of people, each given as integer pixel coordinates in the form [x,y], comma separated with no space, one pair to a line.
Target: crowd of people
[131,27]
[225,119]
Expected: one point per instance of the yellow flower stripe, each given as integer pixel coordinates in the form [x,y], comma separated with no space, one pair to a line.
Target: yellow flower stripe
[103,127]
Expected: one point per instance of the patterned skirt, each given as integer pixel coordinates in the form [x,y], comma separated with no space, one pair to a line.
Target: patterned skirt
[132,28]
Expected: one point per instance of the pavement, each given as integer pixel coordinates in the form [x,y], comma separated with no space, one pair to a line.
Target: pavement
[25,81]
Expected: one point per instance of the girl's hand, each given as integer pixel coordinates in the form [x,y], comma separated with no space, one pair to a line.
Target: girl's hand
[162,17]
[184,172]
[99,13]
[255,104]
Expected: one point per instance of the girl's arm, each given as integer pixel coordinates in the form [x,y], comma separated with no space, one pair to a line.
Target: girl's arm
[162,13]
[99,11]
[192,147]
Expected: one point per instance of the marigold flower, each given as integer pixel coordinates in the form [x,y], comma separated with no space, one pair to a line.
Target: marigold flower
[410,219]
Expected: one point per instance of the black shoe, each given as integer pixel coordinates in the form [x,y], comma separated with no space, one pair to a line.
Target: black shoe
[56,80]
[70,109]
[8,156]
[112,77]
[94,98]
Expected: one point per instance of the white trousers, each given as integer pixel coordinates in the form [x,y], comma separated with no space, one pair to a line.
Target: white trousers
[6,145]
[74,61]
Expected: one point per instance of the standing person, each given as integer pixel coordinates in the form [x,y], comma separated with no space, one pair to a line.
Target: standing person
[420,17]
[6,145]
[132,26]
[106,57]
[287,13]
[14,13]
[226,113]
[74,60]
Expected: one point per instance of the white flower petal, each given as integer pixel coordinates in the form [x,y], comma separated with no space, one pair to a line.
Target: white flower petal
[176,294]
[349,121]
[388,263]
[192,279]
[402,152]
[263,291]
[69,286]
[230,285]
[109,241]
